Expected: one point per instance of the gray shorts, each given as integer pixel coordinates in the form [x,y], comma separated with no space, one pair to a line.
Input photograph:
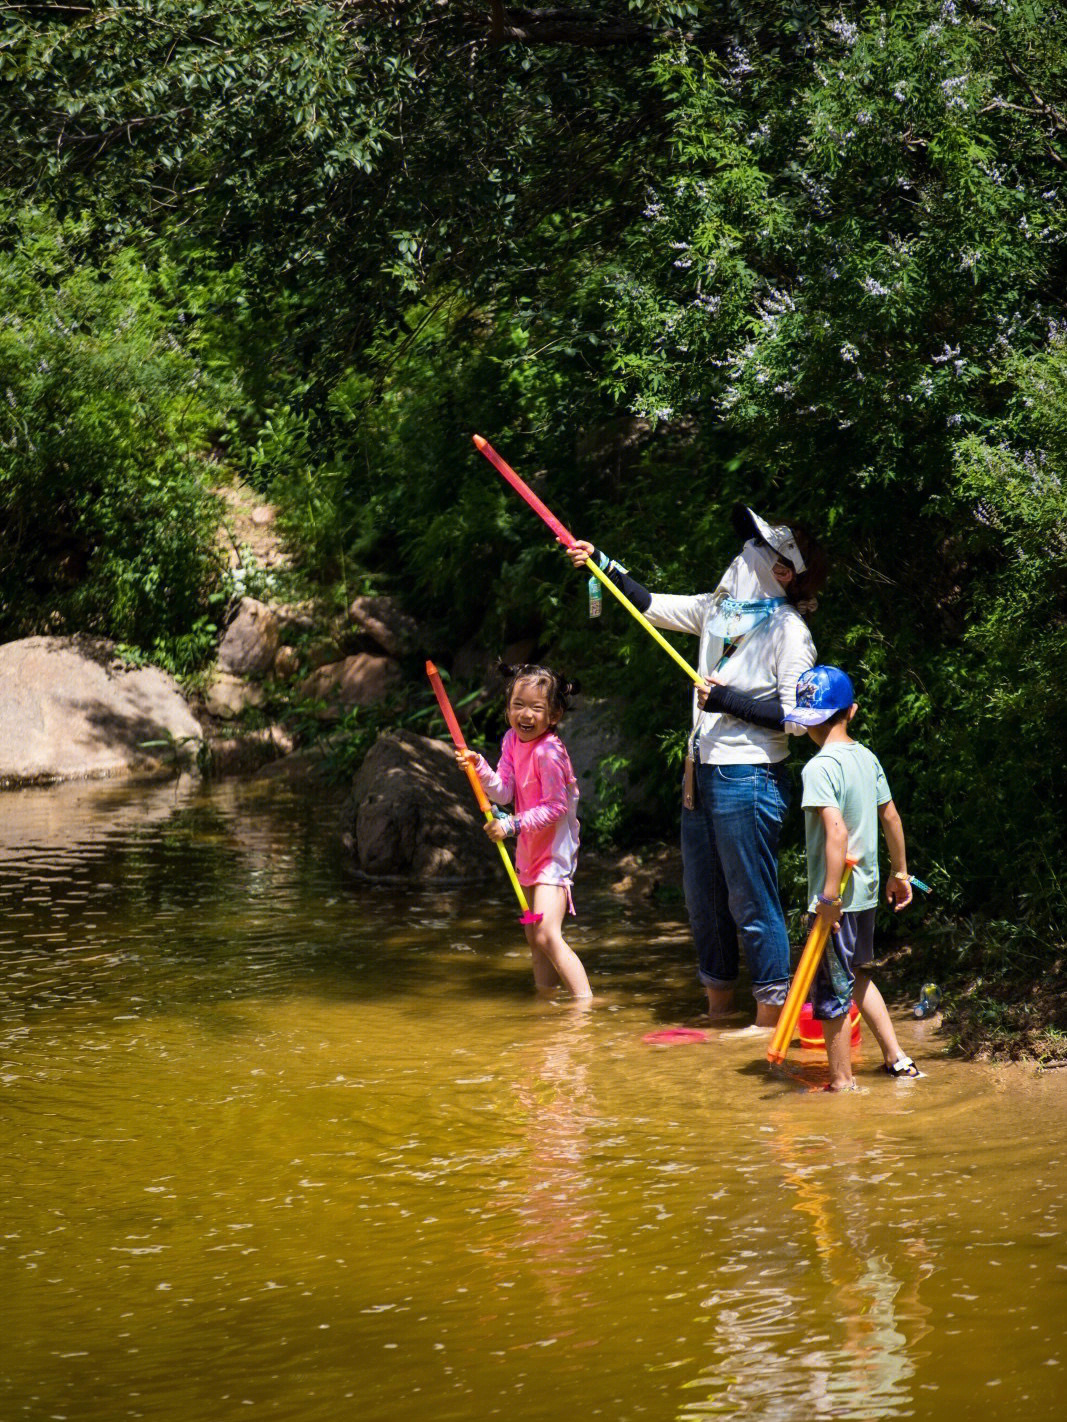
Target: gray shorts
[851,946]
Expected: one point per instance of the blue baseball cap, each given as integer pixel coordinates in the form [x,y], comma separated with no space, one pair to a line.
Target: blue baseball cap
[821,693]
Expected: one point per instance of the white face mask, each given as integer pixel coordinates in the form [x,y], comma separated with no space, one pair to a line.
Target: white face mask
[748,593]
[749,577]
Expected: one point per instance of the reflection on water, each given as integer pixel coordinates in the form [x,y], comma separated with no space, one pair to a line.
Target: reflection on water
[277,1142]
[855,1358]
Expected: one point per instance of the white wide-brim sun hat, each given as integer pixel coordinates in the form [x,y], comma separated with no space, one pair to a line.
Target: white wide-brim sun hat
[777,536]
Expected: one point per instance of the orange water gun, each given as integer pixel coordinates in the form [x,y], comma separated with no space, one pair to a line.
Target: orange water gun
[803,978]
[527,915]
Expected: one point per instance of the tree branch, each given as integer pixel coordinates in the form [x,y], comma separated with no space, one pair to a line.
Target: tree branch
[1049,110]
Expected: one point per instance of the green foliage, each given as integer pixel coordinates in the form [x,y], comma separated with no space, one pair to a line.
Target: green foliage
[106,524]
[309,493]
[1008,507]
[344,741]
[611,792]
[348,157]
[854,263]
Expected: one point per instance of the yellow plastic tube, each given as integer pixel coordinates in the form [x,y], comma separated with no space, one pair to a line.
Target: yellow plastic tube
[803,978]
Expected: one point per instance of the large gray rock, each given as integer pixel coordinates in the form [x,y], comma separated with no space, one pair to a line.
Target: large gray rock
[251,640]
[591,732]
[69,710]
[362,680]
[382,618]
[227,696]
[412,813]
[246,752]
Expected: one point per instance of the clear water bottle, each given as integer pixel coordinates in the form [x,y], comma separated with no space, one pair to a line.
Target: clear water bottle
[929,1001]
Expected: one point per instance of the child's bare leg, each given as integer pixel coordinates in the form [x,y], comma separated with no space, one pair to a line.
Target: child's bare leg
[876,1015]
[837,1034]
[547,942]
[546,979]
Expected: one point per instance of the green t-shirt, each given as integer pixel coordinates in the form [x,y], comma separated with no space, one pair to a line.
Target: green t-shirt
[847,775]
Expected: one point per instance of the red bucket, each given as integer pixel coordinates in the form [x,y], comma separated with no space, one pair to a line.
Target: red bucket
[810,1032]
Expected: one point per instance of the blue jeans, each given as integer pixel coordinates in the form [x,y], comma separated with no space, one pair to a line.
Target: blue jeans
[730,875]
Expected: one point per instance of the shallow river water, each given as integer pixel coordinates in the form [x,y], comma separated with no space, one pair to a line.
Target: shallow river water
[278,1143]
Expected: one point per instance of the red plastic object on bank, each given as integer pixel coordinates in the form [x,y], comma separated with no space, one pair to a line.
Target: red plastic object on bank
[810,1032]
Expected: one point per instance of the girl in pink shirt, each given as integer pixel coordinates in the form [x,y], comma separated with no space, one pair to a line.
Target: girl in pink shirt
[535,772]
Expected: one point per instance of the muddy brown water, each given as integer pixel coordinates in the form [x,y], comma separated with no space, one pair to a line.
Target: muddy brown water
[276,1143]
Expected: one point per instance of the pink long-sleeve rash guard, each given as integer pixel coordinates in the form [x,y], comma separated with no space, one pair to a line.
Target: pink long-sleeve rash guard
[539,778]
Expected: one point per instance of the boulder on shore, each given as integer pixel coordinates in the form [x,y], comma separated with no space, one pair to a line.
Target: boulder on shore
[71,710]
[227,695]
[251,641]
[412,813]
[362,680]
[592,732]
[385,621]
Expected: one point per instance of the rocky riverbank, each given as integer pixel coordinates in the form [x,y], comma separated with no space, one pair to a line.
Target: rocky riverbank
[285,674]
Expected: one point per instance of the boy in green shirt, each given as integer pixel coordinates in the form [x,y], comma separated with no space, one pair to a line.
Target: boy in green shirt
[845,795]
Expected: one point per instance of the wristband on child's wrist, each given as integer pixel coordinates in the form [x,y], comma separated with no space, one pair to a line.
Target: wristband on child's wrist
[830,903]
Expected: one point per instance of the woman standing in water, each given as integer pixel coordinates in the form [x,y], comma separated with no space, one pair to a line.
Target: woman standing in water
[754,645]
